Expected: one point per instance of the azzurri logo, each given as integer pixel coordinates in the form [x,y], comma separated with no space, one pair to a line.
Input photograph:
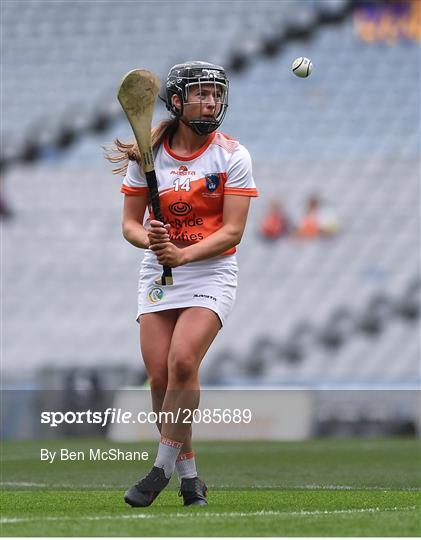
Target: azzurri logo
[212,182]
[155,294]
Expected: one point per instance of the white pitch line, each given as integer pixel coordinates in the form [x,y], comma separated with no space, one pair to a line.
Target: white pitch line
[314,486]
[23,484]
[212,515]
[356,488]
[91,487]
[219,487]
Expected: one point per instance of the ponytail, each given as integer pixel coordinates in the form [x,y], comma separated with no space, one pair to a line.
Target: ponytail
[121,153]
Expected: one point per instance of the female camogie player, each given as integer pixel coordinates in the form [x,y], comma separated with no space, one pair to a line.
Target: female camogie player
[205,183]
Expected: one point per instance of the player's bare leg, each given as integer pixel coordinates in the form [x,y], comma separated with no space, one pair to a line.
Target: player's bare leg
[159,329]
[183,390]
[201,325]
[156,332]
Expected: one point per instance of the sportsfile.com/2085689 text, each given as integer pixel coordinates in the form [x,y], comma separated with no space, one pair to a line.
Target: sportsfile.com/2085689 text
[118,416]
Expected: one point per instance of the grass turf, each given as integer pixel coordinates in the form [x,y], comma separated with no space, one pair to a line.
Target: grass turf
[314,488]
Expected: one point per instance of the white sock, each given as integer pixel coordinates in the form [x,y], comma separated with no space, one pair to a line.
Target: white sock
[186,465]
[168,451]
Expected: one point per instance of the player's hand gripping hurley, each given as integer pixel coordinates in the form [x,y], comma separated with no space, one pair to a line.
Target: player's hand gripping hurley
[137,95]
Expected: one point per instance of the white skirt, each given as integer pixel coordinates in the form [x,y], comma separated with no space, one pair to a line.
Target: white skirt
[211,283]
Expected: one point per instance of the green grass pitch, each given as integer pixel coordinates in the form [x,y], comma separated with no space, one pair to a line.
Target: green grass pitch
[322,487]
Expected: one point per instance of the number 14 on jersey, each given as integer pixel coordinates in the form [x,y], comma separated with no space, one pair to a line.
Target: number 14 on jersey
[182,184]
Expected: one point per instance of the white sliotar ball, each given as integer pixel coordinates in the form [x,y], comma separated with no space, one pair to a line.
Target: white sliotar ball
[302,67]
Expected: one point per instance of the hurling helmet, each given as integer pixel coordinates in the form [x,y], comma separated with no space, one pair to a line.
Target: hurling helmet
[182,76]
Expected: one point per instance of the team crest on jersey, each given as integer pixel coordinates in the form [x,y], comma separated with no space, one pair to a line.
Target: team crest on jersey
[155,294]
[212,182]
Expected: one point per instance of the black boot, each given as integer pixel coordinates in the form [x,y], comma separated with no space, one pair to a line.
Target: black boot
[144,492]
[193,491]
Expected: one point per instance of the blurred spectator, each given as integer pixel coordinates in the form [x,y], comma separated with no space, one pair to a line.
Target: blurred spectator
[318,220]
[275,223]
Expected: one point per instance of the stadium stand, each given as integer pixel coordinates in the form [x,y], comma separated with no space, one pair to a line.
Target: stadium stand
[47,43]
[349,132]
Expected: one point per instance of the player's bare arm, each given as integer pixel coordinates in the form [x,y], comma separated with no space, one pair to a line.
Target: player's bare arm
[133,213]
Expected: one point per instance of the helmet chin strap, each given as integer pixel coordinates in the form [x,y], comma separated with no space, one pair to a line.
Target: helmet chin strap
[200,127]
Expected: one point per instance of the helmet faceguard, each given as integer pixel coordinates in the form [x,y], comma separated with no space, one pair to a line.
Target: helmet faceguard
[179,81]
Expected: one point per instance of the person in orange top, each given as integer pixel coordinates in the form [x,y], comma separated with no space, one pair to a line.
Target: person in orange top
[308,226]
[275,223]
[316,221]
[205,183]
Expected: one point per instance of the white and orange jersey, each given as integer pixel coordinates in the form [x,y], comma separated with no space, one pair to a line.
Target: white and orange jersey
[191,189]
